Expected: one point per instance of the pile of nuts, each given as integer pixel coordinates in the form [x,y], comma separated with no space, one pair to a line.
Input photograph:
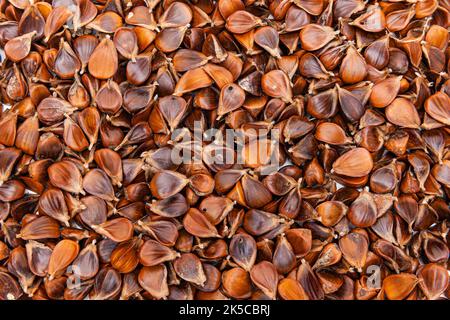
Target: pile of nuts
[98,94]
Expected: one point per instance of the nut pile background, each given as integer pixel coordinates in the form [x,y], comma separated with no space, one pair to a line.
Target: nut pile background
[92,206]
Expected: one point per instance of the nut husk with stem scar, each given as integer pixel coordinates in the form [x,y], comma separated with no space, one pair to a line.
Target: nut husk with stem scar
[167,183]
[66,63]
[231,98]
[284,258]
[330,255]
[170,39]
[10,289]
[242,21]
[141,16]
[118,230]
[264,275]
[311,66]
[18,48]
[243,251]
[236,283]
[407,208]
[93,210]
[331,133]
[8,159]
[18,266]
[111,163]
[130,286]
[177,14]
[170,207]
[399,286]
[17,87]
[9,128]
[40,228]
[351,106]
[103,62]
[309,281]
[255,193]
[355,163]
[353,68]
[152,253]
[138,133]
[214,50]
[186,59]
[78,96]
[220,75]
[53,204]
[354,247]
[139,71]
[154,280]
[32,20]
[106,22]
[377,53]
[89,121]
[52,110]
[86,265]
[216,208]
[385,91]
[78,292]
[373,20]
[323,105]
[107,284]
[197,224]
[192,80]
[164,231]
[359,178]
[403,113]
[399,19]
[290,204]
[74,137]
[213,277]
[124,258]
[126,44]
[109,98]
[331,212]
[27,135]
[84,46]
[96,182]
[62,256]
[276,84]
[257,222]
[189,268]
[57,18]
[267,38]
[384,179]
[434,280]
[226,8]
[300,240]
[38,257]
[437,36]
[173,109]
[435,107]
[314,36]
[278,183]
[290,289]
[296,18]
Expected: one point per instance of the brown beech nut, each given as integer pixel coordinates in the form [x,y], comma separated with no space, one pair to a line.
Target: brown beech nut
[236,283]
[398,287]
[226,150]
[355,163]
[103,60]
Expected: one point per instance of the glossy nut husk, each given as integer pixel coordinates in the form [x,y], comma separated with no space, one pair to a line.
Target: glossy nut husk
[341,163]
